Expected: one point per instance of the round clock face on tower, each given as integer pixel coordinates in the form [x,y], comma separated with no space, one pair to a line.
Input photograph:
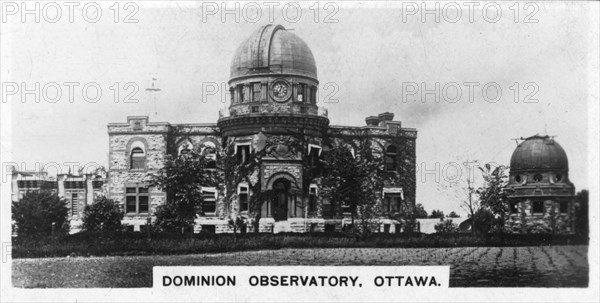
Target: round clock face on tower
[280,91]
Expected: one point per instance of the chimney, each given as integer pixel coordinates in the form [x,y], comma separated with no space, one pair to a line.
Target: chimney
[387,116]
[372,121]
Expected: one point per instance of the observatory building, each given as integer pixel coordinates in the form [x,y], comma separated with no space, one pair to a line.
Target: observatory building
[273,86]
[540,192]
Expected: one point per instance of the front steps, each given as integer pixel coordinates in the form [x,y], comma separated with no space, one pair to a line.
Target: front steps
[282,227]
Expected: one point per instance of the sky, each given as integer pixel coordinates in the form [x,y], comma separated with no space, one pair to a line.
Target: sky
[370,58]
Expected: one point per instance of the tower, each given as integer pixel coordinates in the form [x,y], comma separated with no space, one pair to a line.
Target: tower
[540,192]
[273,85]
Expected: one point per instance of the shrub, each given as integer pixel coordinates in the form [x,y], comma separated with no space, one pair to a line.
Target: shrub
[436,213]
[538,228]
[103,215]
[446,227]
[170,217]
[483,220]
[40,213]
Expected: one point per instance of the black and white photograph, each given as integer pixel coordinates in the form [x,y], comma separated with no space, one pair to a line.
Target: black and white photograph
[307,151]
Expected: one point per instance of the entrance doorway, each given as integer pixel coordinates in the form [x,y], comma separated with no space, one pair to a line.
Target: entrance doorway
[279,204]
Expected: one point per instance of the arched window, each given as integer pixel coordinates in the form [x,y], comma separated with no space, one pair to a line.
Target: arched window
[300,88]
[137,158]
[391,153]
[184,148]
[209,150]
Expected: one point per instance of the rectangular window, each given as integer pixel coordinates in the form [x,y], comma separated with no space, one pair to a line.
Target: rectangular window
[313,95]
[391,203]
[74,204]
[137,200]
[293,206]
[538,207]
[386,228]
[303,110]
[265,209]
[514,207]
[312,199]
[210,202]
[143,204]
[313,153]
[241,92]
[301,93]
[243,153]
[243,197]
[256,92]
[299,206]
[327,209]
[131,205]
[254,109]
[564,207]
[243,202]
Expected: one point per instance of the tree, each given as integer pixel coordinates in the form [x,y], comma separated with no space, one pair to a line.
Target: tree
[463,189]
[419,211]
[102,215]
[236,171]
[446,227]
[436,213]
[482,221]
[453,214]
[492,195]
[344,175]
[356,181]
[182,177]
[582,226]
[40,213]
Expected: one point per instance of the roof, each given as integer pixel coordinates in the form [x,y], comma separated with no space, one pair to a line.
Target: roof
[539,153]
[273,50]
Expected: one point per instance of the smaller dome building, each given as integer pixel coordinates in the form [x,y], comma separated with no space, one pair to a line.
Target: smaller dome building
[539,191]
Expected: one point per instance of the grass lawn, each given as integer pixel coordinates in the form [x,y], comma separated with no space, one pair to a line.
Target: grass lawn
[532,266]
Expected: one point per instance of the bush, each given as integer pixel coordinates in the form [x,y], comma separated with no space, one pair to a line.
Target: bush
[169,217]
[40,213]
[446,227]
[483,221]
[104,215]
[137,243]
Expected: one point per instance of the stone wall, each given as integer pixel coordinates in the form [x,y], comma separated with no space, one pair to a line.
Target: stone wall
[161,139]
[551,220]
[122,137]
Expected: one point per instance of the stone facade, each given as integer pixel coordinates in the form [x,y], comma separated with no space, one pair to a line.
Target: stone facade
[551,219]
[273,113]
[540,195]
